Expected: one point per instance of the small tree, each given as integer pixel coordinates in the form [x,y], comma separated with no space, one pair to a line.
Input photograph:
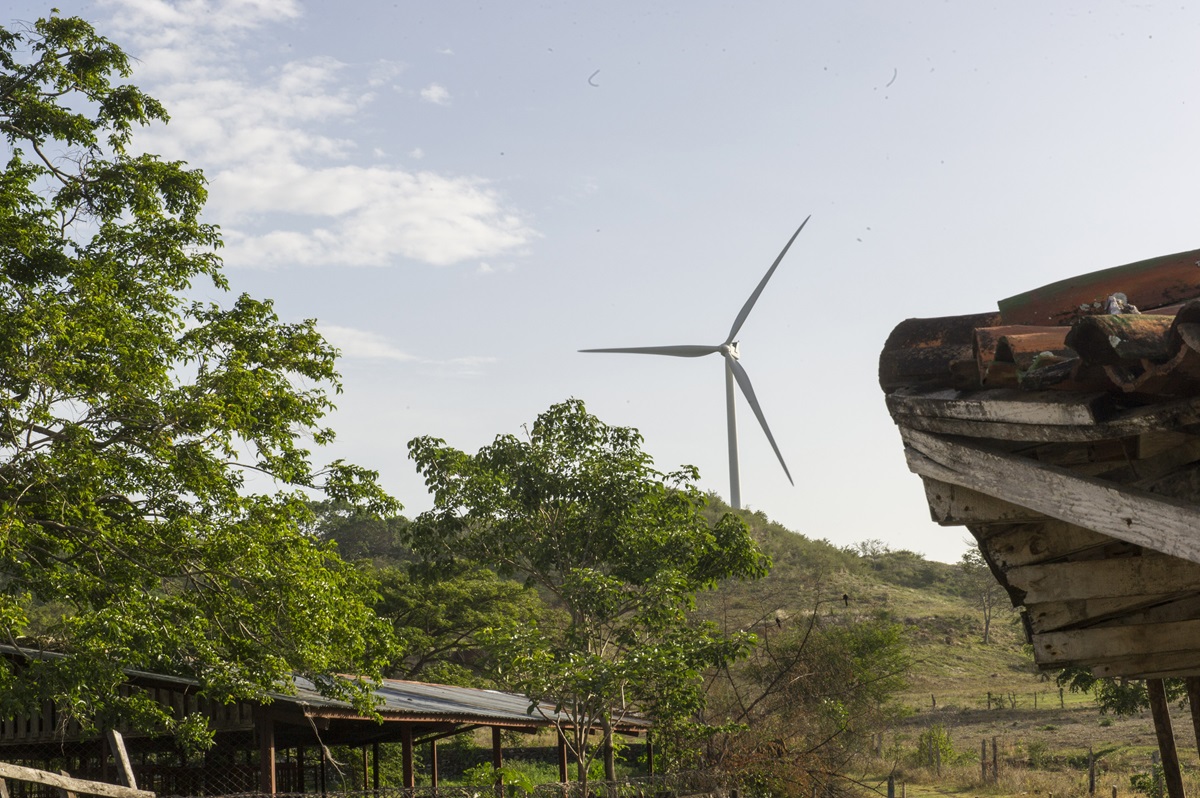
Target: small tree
[620,550]
[981,586]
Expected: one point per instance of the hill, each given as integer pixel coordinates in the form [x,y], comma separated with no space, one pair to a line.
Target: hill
[972,691]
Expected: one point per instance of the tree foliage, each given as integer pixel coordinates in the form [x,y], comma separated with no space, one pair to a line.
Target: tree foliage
[618,548]
[130,417]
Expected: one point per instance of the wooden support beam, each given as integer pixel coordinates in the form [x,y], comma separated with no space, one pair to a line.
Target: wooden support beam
[1135,516]
[433,764]
[1166,737]
[406,754]
[124,770]
[1193,691]
[562,757]
[375,768]
[265,726]
[497,760]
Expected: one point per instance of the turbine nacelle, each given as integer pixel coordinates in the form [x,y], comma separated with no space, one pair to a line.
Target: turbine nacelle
[734,373]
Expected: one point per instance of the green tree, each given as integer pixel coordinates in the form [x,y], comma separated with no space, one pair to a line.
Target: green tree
[131,416]
[620,549]
[437,614]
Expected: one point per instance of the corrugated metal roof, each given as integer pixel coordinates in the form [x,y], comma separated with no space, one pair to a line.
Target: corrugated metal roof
[398,700]
[405,700]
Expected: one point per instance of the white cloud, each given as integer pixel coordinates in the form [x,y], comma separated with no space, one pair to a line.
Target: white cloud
[435,93]
[360,344]
[288,183]
[357,344]
[416,153]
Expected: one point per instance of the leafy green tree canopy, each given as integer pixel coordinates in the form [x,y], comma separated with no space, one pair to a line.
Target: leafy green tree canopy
[621,549]
[130,417]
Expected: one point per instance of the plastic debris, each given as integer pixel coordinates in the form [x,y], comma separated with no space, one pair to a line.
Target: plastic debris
[1118,303]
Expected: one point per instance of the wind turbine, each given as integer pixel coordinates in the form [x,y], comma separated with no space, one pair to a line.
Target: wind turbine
[733,372]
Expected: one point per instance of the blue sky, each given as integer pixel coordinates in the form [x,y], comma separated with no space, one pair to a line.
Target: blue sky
[464,194]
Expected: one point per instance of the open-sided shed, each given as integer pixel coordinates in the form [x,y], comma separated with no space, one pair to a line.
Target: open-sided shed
[281,746]
[1063,430]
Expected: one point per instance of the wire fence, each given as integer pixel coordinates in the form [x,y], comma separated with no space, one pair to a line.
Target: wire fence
[671,786]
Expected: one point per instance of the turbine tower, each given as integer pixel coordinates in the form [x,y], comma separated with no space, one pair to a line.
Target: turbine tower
[734,371]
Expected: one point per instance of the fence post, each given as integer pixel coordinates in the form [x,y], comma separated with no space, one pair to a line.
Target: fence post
[995,763]
[891,785]
[1091,772]
[983,760]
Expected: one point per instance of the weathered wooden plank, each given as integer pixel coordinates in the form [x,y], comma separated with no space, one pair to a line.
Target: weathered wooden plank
[1161,666]
[1155,522]
[1091,579]
[1181,413]
[954,505]
[18,773]
[1042,408]
[1123,611]
[1029,544]
[124,769]
[1110,643]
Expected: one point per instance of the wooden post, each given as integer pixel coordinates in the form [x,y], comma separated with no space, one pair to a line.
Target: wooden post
[3,789]
[891,785]
[1091,772]
[406,756]
[995,763]
[433,764]
[1193,691]
[323,758]
[300,769]
[498,761]
[562,757]
[1166,737]
[365,768]
[124,770]
[983,760]
[375,768]
[266,751]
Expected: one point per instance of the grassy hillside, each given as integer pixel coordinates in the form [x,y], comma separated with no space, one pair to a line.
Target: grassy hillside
[975,692]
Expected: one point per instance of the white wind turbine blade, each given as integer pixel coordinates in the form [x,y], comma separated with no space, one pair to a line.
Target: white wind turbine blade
[741,317]
[743,381]
[673,351]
